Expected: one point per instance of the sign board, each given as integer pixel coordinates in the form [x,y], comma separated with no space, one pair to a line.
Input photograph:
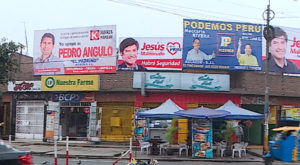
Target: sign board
[70,83]
[183,81]
[24,86]
[150,53]
[86,50]
[221,45]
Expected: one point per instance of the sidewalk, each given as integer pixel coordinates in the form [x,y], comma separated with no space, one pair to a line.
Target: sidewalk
[88,150]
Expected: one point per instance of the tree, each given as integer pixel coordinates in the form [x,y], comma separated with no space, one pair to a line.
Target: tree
[8,65]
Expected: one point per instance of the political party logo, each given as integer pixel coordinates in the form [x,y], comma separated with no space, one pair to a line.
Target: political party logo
[50,82]
[226,44]
[95,35]
[173,47]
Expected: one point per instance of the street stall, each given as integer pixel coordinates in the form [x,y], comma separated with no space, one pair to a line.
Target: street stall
[202,140]
[152,125]
[285,145]
[156,120]
[234,129]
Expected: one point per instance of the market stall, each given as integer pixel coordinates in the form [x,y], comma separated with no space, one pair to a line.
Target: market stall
[155,122]
[202,141]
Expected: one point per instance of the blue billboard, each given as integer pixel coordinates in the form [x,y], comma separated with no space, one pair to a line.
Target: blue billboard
[222,45]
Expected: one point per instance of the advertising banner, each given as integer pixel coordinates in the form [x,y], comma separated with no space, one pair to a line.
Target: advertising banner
[73,97]
[222,45]
[291,113]
[285,51]
[183,81]
[70,83]
[86,50]
[150,53]
[23,86]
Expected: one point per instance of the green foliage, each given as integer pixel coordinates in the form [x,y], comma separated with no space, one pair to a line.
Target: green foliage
[171,132]
[7,63]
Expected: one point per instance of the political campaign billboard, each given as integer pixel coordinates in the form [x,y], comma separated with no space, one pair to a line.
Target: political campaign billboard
[86,50]
[150,53]
[222,45]
[284,50]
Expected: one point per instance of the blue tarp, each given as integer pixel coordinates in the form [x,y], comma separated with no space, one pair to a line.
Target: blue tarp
[239,113]
[202,112]
[164,111]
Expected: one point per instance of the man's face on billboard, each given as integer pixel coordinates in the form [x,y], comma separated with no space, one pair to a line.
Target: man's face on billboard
[278,47]
[248,50]
[130,55]
[47,47]
[196,44]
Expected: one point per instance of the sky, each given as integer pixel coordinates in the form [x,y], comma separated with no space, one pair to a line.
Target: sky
[134,18]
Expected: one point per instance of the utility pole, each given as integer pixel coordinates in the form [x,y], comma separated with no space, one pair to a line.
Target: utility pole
[268,33]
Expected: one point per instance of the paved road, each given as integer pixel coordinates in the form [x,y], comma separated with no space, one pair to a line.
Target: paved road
[38,160]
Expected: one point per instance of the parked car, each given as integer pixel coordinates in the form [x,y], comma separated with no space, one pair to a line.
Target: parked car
[12,156]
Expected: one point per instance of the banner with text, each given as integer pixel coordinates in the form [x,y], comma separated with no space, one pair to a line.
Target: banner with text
[285,48]
[70,83]
[222,45]
[183,81]
[86,50]
[150,53]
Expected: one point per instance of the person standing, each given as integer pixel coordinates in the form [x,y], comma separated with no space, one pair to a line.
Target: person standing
[197,56]
[247,58]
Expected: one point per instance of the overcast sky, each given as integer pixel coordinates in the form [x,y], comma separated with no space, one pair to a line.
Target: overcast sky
[136,18]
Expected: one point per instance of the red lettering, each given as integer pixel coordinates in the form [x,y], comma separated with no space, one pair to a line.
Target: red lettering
[98,51]
[69,52]
[157,46]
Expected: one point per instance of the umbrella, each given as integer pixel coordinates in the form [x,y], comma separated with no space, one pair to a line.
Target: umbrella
[202,112]
[164,111]
[239,113]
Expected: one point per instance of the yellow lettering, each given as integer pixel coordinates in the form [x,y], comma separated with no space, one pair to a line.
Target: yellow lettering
[194,25]
[186,23]
[251,28]
[208,26]
[238,27]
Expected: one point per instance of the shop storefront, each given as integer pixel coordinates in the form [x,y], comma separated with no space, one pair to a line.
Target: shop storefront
[28,109]
[71,112]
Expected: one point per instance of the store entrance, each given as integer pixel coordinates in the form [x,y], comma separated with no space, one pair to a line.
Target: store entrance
[74,121]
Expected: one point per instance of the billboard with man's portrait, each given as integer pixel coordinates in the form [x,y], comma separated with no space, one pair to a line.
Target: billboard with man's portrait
[284,51]
[86,50]
[150,53]
[222,45]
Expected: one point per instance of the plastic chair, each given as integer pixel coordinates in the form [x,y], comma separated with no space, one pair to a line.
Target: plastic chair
[222,148]
[162,147]
[144,145]
[237,147]
[183,147]
[244,148]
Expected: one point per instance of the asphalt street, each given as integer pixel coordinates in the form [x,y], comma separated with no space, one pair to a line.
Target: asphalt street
[47,160]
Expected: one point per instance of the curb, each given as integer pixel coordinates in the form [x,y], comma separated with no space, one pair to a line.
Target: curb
[144,158]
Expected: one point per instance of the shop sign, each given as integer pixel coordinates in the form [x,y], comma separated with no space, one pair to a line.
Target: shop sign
[70,83]
[183,81]
[291,113]
[73,97]
[24,86]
